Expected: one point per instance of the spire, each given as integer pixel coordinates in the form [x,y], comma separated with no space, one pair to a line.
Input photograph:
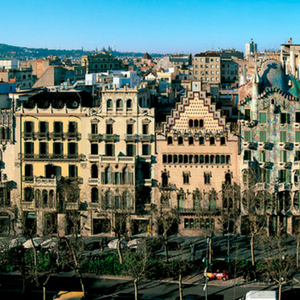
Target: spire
[256,77]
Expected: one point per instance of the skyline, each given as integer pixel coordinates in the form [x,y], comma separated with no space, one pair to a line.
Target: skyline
[150,26]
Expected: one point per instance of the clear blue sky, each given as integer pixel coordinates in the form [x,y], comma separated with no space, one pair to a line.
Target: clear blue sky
[162,26]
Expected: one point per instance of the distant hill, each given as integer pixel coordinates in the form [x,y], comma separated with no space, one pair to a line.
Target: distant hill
[31,53]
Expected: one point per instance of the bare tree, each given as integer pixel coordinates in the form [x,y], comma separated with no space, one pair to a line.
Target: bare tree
[278,265]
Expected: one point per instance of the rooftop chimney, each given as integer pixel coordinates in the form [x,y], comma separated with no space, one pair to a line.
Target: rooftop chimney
[291,41]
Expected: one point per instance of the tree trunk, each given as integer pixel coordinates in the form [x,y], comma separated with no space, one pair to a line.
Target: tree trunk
[279,292]
[180,287]
[210,250]
[44,292]
[136,289]
[165,244]
[252,250]
[120,251]
[297,252]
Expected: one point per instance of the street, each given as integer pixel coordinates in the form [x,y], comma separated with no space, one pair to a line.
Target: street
[105,288]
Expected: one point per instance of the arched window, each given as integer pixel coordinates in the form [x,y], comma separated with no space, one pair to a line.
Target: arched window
[108,176]
[196,159]
[109,104]
[126,200]
[228,178]
[222,159]
[201,159]
[37,198]
[180,160]
[51,198]
[212,159]
[217,159]
[28,193]
[227,159]
[201,123]
[45,198]
[191,159]
[222,140]
[180,140]
[169,158]
[185,159]
[212,140]
[107,200]
[164,179]
[94,195]
[175,159]
[125,174]
[201,140]
[170,140]
[191,140]
[94,171]
[119,104]
[191,123]
[164,158]
[196,123]
[207,159]
[129,104]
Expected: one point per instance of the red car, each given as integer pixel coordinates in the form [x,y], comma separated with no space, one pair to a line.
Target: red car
[213,272]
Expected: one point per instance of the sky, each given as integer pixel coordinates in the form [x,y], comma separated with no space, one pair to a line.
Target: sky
[154,26]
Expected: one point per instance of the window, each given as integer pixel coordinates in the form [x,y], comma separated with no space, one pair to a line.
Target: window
[170,140]
[146,149]
[94,171]
[180,140]
[263,136]
[222,140]
[129,128]
[119,104]
[186,178]
[72,127]
[191,123]
[29,149]
[43,127]
[94,128]
[28,172]
[297,155]
[263,117]
[262,156]
[201,123]
[72,149]
[191,140]
[283,156]
[164,178]
[109,149]
[145,128]
[284,176]
[58,127]
[212,140]
[207,178]
[94,195]
[297,117]
[73,171]
[94,149]
[109,104]
[28,127]
[58,149]
[247,136]
[247,155]
[297,136]
[129,104]
[284,118]
[247,114]
[109,128]
[43,149]
[282,136]
[130,150]
[201,140]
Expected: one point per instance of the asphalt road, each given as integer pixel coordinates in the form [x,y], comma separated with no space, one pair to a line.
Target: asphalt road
[107,288]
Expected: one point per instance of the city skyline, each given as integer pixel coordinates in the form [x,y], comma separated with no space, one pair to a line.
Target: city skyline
[150,26]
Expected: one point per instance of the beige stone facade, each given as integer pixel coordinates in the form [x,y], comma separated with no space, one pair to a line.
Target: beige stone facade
[196,157]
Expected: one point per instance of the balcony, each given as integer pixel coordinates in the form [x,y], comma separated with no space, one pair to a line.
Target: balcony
[284,186]
[286,165]
[286,145]
[94,181]
[146,158]
[72,135]
[110,137]
[26,205]
[94,137]
[55,157]
[130,137]
[72,205]
[266,164]
[169,186]
[146,137]
[41,135]
[28,135]
[56,135]
[27,178]
[46,182]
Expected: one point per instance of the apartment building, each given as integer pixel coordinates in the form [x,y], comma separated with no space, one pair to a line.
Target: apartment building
[269,159]
[207,67]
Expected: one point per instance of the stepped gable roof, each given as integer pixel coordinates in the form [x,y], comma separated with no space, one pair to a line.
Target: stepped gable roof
[59,99]
[147,56]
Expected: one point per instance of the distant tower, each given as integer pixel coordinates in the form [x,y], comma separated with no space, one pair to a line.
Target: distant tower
[251,48]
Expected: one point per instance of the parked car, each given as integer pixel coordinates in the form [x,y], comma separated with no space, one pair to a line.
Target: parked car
[218,270]
[69,295]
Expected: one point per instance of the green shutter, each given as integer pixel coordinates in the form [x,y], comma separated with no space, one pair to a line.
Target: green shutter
[263,136]
[262,156]
[247,136]
[297,136]
[282,156]
[263,117]
[282,136]
[288,176]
